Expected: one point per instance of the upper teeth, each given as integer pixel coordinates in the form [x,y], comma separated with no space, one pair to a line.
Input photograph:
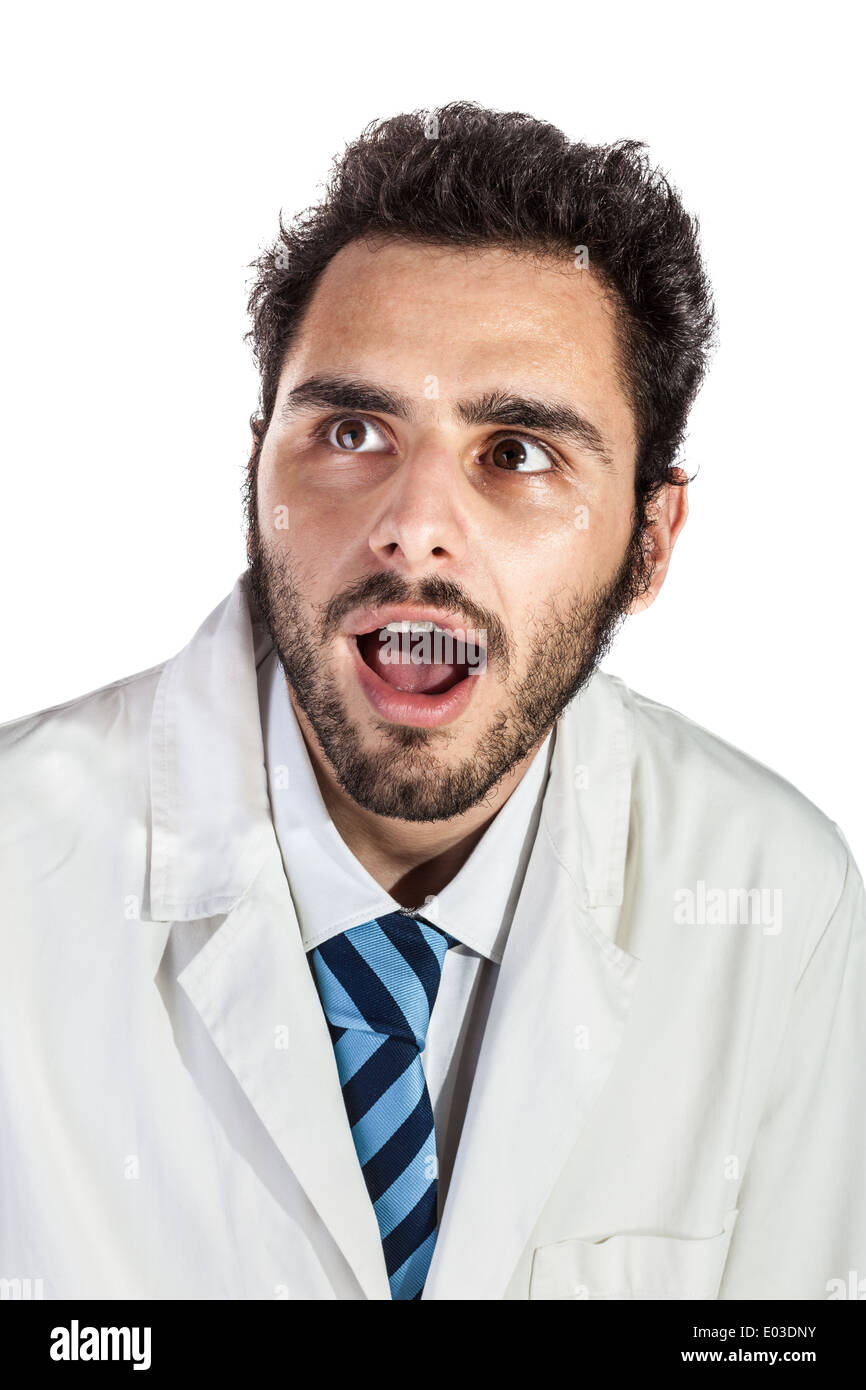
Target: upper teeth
[407,625]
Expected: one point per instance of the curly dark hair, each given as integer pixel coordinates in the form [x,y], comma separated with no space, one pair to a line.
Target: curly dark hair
[463,175]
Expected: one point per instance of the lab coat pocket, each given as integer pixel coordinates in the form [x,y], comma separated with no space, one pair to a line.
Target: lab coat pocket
[632,1266]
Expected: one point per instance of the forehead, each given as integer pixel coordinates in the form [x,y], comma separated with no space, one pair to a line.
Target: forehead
[473,319]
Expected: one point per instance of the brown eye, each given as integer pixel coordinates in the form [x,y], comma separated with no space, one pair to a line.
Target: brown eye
[348,434]
[519,455]
[356,436]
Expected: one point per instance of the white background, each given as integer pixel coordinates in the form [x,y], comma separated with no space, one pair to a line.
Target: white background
[149,152]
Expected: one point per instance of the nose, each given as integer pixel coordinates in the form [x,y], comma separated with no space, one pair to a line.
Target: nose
[422,523]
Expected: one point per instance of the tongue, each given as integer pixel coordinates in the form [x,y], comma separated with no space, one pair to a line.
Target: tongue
[415,677]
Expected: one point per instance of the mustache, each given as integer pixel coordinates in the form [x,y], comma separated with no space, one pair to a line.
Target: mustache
[435,591]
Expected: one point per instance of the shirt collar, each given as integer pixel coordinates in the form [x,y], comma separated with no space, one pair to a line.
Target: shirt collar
[331,888]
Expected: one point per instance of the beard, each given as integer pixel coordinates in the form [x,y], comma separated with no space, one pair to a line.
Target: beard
[405,778]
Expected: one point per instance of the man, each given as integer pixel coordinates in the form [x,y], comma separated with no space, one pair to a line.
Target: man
[378,945]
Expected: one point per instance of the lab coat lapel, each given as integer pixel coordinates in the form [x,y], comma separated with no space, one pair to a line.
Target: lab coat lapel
[251,985]
[214,855]
[558,1013]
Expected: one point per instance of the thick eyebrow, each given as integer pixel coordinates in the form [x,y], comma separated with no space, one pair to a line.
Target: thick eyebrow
[532,413]
[340,393]
[494,408]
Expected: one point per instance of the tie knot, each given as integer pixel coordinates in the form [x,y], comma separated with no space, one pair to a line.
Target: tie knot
[383,976]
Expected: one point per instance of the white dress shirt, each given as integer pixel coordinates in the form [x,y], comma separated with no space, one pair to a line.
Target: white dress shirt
[332,891]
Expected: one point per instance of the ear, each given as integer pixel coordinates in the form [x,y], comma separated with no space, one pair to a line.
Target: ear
[257,436]
[667,517]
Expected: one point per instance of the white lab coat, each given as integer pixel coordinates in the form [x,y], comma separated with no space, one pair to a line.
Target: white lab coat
[661,1109]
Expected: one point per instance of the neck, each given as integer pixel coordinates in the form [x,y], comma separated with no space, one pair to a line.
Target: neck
[410,859]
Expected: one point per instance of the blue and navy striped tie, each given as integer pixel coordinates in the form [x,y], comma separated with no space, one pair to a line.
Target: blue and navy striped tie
[378,983]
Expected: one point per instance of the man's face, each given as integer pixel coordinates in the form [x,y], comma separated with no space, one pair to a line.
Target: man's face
[450,444]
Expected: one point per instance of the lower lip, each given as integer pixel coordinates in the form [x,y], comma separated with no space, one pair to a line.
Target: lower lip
[403,707]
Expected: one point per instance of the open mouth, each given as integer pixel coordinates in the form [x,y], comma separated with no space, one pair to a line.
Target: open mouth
[420,658]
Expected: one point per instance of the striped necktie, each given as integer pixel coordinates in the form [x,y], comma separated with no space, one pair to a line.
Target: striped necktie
[378,983]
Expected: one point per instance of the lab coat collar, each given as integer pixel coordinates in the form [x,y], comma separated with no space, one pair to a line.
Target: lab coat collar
[210,814]
[211,821]
[588,803]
